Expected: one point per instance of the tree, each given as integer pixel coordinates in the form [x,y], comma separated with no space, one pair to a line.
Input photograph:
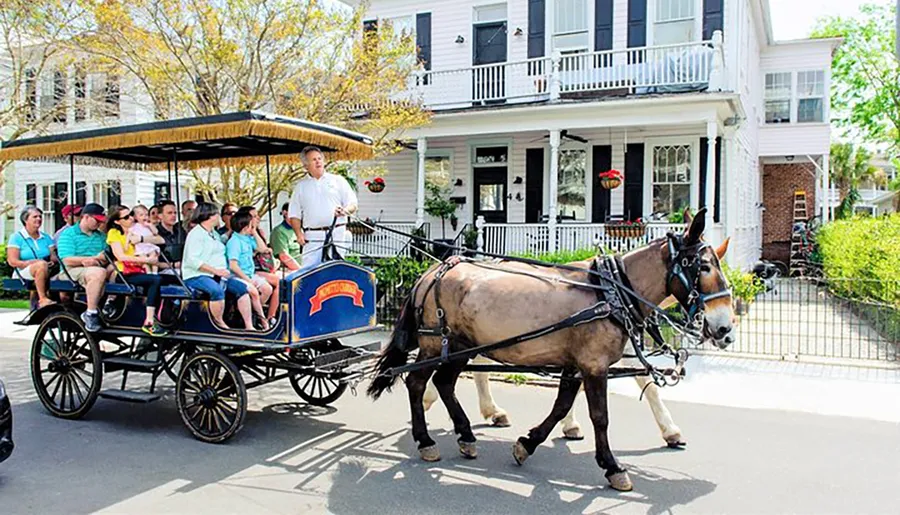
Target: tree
[33,58]
[296,58]
[865,87]
[850,166]
[438,205]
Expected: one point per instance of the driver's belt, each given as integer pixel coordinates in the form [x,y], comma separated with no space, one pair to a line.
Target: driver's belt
[325,228]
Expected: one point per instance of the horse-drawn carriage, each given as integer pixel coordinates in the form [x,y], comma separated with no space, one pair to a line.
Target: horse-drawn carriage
[212,366]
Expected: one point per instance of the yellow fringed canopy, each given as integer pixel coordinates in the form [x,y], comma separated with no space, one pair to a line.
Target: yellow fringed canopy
[234,138]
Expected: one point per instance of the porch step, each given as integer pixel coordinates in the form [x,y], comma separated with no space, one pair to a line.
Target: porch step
[131,364]
[129,396]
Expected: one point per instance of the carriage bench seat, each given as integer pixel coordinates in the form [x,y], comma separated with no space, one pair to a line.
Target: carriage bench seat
[180,292]
[17,285]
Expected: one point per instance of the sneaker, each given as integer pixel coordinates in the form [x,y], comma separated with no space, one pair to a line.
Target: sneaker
[91,322]
[155,330]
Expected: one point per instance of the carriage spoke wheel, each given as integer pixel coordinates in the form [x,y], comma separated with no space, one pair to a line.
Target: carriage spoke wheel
[211,397]
[174,358]
[316,388]
[65,366]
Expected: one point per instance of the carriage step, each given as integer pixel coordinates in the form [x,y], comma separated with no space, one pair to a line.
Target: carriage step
[349,356]
[129,396]
[133,365]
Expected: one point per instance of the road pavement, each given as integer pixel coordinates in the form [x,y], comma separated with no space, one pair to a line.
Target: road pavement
[358,457]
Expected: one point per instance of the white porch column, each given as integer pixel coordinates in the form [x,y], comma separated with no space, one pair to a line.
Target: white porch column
[554,187]
[712,130]
[421,148]
[826,191]
[728,210]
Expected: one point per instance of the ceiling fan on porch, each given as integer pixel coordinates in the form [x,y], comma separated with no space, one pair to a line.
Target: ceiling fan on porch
[564,134]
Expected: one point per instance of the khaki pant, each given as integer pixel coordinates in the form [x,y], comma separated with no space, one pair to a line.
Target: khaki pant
[78,274]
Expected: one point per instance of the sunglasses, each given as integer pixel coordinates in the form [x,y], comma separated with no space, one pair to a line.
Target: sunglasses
[230,213]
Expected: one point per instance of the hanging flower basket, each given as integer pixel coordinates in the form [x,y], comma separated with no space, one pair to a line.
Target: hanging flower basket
[376,185]
[635,229]
[357,228]
[610,179]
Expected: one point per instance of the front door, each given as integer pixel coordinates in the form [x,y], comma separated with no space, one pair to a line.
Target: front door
[489,83]
[490,193]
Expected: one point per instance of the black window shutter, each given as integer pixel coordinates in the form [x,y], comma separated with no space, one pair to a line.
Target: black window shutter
[603,24]
[536,27]
[637,23]
[602,161]
[60,199]
[634,181]
[712,17]
[423,39]
[80,193]
[370,36]
[704,156]
[31,194]
[534,185]
[114,196]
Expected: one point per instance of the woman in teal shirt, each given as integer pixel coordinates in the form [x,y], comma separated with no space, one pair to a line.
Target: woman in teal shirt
[29,252]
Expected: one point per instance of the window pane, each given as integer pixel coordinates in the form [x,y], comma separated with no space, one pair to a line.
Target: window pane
[437,171]
[778,111]
[811,84]
[810,110]
[572,186]
[571,41]
[681,197]
[403,26]
[778,85]
[667,10]
[496,12]
[490,197]
[570,16]
[673,32]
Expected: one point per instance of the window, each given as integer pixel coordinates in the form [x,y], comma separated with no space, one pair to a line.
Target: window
[490,155]
[59,96]
[105,94]
[107,193]
[810,96]
[671,175]
[488,13]
[30,95]
[80,87]
[402,26]
[570,26]
[438,171]
[572,191]
[674,22]
[48,205]
[778,97]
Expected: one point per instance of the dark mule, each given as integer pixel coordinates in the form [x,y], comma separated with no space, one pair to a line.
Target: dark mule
[482,305]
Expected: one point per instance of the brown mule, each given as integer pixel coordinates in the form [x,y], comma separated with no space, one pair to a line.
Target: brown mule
[483,305]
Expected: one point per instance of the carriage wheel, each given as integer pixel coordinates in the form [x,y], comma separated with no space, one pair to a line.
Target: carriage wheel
[65,366]
[174,358]
[317,388]
[211,397]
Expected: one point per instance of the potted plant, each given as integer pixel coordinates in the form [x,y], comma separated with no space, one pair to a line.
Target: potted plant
[470,239]
[610,179]
[744,288]
[438,205]
[376,185]
[626,228]
[359,228]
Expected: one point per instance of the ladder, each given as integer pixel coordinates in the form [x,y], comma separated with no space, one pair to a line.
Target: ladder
[798,234]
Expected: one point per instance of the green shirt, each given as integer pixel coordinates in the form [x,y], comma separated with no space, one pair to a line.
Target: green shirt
[284,240]
[74,242]
[202,248]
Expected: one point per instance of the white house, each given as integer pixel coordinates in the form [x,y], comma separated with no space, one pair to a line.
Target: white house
[692,100]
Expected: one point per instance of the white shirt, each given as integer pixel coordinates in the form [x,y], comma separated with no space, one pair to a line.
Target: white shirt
[314,200]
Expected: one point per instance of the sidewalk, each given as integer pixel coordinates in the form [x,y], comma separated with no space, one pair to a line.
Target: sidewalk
[726,380]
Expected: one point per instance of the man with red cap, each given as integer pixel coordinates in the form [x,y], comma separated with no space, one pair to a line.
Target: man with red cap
[70,214]
[80,249]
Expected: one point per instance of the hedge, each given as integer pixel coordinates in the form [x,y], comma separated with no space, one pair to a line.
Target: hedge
[6,272]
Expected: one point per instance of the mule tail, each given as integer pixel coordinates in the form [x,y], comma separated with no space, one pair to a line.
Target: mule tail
[404,340]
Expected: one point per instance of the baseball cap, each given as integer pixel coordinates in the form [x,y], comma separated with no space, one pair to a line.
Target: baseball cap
[71,210]
[95,210]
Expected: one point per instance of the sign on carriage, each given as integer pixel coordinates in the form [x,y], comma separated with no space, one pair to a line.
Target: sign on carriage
[332,289]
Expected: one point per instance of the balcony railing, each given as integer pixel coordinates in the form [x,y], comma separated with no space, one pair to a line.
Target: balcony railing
[656,69]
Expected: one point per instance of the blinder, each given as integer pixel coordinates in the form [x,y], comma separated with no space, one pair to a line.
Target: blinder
[684,265]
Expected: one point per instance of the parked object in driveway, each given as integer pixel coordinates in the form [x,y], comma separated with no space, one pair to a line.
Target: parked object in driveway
[6,441]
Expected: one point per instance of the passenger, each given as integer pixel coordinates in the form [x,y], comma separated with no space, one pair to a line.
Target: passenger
[154,214]
[81,251]
[228,210]
[187,213]
[132,265]
[264,264]
[70,214]
[284,243]
[29,251]
[173,235]
[145,238]
[205,268]
[239,250]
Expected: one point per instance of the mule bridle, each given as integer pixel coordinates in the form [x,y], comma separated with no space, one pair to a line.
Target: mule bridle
[685,267]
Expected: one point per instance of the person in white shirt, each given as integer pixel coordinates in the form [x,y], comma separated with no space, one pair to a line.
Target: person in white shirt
[316,200]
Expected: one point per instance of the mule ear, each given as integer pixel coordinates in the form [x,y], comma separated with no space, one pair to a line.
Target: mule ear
[688,217]
[723,248]
[698,225]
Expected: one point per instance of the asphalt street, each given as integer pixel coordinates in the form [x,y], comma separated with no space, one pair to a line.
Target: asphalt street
[358,458]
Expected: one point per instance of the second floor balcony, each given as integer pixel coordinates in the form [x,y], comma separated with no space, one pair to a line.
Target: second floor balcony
[696,66]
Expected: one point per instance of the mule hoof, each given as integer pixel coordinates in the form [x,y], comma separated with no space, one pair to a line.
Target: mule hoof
[500,420]
[621,482]
[675,441]
[430,453]
[468,450]
[573,433]
[520,453]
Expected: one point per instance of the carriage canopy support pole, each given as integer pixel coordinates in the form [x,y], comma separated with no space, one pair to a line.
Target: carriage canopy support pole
[177,188]
[71,196]
[269,194]
[169,180]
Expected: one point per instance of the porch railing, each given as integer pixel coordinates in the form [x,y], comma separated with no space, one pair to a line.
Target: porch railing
[382,243]
[654,69]
[535,238]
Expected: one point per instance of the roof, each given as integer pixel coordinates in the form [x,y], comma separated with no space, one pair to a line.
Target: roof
[242,137]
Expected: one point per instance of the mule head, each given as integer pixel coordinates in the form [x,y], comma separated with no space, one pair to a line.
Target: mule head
[696,280]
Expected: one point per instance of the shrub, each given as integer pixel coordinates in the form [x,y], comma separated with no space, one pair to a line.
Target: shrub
[5,269]
[560,257]
[744,286]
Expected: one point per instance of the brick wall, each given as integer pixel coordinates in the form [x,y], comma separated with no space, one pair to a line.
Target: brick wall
[780,181]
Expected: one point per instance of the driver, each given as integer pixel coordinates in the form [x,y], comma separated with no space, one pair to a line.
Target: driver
[316,200]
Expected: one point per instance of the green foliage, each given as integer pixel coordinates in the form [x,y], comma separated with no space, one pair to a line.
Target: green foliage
[865,76]
[397,272]
[677,217]
[861,258]
[849,167]
[5,272]
[5,269]
[562,256]
[516,379]
[844,210]
[744,286]
[470,237]
[437,204]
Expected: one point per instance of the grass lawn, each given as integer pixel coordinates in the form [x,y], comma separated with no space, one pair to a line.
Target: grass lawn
[14,303]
